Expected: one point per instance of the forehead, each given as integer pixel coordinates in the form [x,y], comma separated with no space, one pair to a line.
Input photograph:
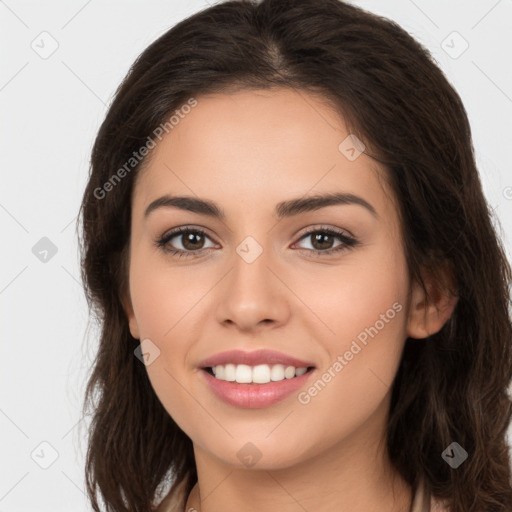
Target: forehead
[257,145]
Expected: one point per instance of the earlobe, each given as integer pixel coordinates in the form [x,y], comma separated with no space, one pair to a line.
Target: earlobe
[134,328]
[427,317]
[132,322]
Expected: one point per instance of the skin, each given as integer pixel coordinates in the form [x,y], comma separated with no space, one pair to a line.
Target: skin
[247,151]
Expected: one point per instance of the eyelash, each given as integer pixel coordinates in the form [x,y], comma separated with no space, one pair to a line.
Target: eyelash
[348,242]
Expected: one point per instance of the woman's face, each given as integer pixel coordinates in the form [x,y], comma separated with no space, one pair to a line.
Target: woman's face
[254,281]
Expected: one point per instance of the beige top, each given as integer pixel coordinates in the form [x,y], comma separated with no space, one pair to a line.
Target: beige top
[422,501]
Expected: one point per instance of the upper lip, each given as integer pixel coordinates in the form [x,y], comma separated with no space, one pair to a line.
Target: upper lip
[253,358]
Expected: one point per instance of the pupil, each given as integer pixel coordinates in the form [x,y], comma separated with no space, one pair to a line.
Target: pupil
[319,237]
[189,238]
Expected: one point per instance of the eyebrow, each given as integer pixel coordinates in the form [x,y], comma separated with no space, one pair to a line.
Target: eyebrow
[283,209]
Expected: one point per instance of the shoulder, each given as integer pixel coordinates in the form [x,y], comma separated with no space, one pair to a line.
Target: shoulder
[438,505]
[175,500]
[424,501]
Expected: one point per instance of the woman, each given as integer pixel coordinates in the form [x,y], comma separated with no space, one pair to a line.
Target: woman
[242,360]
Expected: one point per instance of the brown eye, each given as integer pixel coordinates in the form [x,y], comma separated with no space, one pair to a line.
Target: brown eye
[191,241]
[322,240]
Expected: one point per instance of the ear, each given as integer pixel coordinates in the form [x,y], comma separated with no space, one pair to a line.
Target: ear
[132,321]
[427,315]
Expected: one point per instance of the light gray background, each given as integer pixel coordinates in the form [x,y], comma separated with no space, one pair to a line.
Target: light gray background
[51,108]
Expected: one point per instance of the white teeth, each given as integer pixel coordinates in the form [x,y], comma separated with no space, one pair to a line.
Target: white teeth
[260,374]
[289,373]
[243,374]
[277,372]
[230,372]
[300,371]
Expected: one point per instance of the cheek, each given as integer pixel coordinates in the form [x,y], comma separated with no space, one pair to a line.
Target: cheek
[367,315]
[363,305]
[163,301]
[369,288]
[166,302]
[163,297]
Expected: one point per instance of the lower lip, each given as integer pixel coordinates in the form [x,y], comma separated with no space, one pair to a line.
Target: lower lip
[255,396]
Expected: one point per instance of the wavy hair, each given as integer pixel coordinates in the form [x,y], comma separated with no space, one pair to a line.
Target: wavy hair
[450,387]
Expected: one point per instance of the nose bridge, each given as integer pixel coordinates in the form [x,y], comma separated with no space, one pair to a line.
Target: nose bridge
[251,260]
[253,243]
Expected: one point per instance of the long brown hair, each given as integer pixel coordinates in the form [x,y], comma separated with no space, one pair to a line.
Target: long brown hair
[450,387]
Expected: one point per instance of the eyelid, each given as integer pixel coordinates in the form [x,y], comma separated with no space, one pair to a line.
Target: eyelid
[177,231]
[325,227]
[348,241]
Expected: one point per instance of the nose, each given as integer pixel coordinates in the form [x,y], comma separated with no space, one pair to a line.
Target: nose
[252,295]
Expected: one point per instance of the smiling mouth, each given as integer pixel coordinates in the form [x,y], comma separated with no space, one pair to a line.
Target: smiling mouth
[256,375]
